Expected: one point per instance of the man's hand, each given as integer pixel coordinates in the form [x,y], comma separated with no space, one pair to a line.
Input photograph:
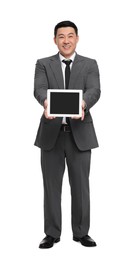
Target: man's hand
[83,113]
[45,111]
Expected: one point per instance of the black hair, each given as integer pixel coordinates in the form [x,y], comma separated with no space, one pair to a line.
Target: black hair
[65,24]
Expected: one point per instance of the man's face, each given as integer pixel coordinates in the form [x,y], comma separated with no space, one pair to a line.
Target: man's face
[66,41]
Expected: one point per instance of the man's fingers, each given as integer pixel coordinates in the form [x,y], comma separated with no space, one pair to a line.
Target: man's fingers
[82,118]
[75,117]
[48,117]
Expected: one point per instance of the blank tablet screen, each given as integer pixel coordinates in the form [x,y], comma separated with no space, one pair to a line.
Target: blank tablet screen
[64,103]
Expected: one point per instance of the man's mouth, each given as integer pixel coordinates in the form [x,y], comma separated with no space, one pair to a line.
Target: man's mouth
[66,47]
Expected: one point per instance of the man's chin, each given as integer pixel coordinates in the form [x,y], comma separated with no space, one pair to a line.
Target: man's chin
[66,53]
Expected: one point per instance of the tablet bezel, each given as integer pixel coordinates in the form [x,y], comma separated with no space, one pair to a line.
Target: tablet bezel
[79,91]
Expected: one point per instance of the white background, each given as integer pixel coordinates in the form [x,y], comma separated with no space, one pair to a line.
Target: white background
[106,29]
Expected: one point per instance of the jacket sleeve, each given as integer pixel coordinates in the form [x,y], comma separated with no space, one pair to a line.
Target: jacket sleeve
[92,86]
[40,83]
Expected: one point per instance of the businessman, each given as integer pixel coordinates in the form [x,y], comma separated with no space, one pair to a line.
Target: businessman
[64,139]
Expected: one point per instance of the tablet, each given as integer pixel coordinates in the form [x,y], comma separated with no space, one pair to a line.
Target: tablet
[64,102]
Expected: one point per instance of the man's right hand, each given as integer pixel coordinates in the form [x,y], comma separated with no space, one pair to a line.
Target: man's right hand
[45,111]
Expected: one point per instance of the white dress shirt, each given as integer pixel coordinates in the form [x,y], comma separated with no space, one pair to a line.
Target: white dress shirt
[63,66]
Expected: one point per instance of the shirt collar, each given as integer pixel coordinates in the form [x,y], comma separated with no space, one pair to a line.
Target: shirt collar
[63,58]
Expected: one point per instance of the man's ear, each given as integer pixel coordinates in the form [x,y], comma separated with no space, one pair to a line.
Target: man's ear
[77,38]
[54,40]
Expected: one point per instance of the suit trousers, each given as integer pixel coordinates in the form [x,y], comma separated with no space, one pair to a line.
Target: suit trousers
[53,166]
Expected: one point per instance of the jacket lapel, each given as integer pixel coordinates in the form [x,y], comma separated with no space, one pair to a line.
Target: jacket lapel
[76,68]
[57,71]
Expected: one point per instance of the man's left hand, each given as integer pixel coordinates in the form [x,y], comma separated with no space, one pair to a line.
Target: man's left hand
[83,113]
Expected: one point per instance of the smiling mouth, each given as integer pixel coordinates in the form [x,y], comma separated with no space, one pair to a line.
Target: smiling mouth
[66,47]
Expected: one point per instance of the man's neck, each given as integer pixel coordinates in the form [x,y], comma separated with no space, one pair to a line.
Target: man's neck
[72,57]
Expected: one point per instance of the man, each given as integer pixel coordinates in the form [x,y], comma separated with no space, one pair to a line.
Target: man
[71,139]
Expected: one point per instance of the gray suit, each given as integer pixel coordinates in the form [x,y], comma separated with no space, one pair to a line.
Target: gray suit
[76,147]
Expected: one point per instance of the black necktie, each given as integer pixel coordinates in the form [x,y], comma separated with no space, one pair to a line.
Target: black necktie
[67,77]
[67,72]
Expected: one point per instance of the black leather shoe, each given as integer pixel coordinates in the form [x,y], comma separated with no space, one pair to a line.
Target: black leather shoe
[85,241]
[48,242]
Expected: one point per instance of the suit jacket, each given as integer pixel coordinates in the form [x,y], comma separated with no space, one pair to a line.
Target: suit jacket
[84,75]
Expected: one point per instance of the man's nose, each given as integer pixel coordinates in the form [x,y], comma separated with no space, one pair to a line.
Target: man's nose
[66,40]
